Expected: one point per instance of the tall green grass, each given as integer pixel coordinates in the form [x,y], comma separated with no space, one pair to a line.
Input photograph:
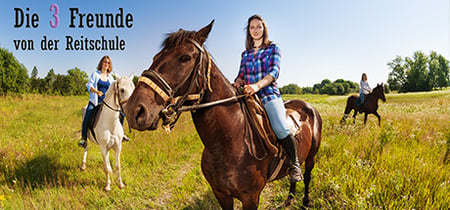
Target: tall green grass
[404,164]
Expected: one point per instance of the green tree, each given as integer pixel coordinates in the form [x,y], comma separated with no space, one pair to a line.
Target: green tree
[340,90]
[442,77]
[77,80]
[432,73]
[47,83]
[13,75]
[60,85]
[135,80]
[35,82]
[291,89]
[419,73]
[416,74]
[397,77]
[318,87]
[329,89]
[307,90]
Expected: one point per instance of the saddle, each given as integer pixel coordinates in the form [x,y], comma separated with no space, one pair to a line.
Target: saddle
[358,102]
[93,119]
[258,121]
[262,139]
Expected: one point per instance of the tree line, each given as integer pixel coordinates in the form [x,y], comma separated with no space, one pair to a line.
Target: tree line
[338,87]
[14,79]
[419,72]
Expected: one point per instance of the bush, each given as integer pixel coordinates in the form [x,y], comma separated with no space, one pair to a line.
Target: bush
[13,75]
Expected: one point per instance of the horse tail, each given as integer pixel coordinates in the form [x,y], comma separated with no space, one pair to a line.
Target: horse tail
[348,106]
[317,131]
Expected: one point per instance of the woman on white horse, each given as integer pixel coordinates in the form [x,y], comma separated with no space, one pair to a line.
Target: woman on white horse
[98,84]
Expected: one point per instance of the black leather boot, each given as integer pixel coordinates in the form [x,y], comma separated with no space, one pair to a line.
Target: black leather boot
[290,146]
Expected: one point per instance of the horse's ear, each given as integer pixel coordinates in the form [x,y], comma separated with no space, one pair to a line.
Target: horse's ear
[115,75]
[203,33]
[131,76]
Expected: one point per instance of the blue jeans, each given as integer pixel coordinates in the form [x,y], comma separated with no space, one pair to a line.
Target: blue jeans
[277,116]
[361,97]
[84,126]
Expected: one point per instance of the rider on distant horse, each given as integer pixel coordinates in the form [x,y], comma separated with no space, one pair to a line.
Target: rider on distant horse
[365,90]
[98,84]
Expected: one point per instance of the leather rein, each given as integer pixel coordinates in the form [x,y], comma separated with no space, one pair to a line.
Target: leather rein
[174,106]
[117,100]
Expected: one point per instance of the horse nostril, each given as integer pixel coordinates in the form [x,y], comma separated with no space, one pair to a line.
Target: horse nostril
[140,113]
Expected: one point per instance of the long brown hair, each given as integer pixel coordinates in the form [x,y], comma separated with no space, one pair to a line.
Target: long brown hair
[249,41]
[99,66]
[364,77]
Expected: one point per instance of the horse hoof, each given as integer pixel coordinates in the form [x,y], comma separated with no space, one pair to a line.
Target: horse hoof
[288,202]
[83,166]
[306,202]
[121,186]
[107,189]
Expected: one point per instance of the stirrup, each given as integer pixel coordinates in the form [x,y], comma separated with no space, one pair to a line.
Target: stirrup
[295,174]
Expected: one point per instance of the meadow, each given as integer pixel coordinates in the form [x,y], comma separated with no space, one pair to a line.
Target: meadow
[404,164]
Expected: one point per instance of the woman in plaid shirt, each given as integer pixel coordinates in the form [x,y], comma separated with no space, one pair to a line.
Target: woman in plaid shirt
[260,67]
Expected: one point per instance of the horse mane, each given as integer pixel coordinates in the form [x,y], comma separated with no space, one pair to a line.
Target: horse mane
[175,39]
[378,86]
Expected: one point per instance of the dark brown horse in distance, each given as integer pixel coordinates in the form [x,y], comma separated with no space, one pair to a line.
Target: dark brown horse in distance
[183,75]
[371,106]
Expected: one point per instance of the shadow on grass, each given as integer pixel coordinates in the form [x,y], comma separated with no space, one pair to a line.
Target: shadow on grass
[206,201]
[41,171]
[447,152]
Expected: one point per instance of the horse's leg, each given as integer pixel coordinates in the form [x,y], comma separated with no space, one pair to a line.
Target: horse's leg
[291,197]
[365,118]
[379,118]
[250,200]
[107,168]
[309,165]
[355,112]
[225,201]
[117,164]
[343,118]
[83,162]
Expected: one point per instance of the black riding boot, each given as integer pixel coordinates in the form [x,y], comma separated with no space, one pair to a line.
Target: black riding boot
[290,146]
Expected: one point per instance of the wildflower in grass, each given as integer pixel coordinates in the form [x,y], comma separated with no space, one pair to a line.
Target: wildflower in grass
[2,199]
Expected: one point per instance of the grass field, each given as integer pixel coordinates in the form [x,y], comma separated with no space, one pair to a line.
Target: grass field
[404,164]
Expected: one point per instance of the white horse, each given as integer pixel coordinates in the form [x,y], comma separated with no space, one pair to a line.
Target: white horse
[108,130]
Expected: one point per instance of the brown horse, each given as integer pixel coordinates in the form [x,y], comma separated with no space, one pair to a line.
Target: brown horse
[183,75]
[371,105]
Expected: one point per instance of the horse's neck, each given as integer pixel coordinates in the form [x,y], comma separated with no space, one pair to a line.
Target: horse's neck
[221,120]
[373,97]
[110,99]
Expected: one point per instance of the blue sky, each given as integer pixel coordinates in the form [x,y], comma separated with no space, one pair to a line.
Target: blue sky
[324,39]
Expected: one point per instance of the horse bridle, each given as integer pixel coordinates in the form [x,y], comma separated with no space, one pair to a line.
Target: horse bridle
[120,103]
[172,104]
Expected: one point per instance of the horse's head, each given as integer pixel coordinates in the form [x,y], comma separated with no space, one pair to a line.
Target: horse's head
[122,88]
[379,92]
[178,70]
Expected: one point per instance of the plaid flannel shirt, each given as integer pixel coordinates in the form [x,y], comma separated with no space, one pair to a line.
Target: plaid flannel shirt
[254,67]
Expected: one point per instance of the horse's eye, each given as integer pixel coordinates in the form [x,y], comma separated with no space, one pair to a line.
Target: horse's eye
[185,58]
[122,90]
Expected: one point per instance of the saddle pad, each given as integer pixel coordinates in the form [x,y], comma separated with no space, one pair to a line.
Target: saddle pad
[260,123]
